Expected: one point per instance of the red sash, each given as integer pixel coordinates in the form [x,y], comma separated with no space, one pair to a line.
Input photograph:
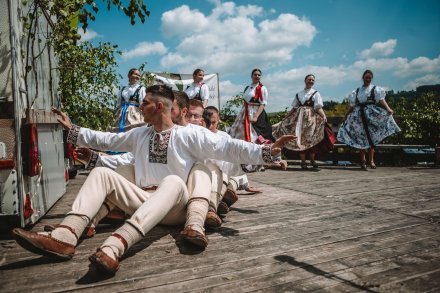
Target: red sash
[258,93]
[247,124]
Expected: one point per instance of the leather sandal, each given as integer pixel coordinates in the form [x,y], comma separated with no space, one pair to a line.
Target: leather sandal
[88,233]
[44,245]
[230,197]
[213,220]
[373,165]
[222,208]
[314,165]
[194,237]
[304,166]
[104,262]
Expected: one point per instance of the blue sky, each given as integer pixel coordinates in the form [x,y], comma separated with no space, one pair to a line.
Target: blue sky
[334,39]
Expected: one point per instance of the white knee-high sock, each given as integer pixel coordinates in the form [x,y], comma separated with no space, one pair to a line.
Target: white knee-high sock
[77,223]
[102,212]
[197,210]
[114,247]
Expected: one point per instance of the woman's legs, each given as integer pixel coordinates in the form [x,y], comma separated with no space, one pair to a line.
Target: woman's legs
[302,156]
[312,160]
[363,160]
[371,155]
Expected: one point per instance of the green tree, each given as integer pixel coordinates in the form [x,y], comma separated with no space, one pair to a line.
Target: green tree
[230,110]
[335,109]
[419,120]
[87,72]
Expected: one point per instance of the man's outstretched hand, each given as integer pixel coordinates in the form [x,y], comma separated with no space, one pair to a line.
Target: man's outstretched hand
[279,144]
[63,118]
[84,155]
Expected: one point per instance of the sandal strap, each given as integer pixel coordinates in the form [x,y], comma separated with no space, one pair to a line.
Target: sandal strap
[124,242]
[68,228]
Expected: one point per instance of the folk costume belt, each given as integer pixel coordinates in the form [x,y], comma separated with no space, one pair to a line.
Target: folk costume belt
[365,122]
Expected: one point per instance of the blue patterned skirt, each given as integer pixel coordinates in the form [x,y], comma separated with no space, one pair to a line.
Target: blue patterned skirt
[379,124]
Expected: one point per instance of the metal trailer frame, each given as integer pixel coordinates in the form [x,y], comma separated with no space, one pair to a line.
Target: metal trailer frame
[35,174]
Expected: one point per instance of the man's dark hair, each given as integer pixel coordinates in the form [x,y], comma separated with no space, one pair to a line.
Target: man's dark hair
[212,109]
[207,118]
[182,99]
[161,90]
[195,103]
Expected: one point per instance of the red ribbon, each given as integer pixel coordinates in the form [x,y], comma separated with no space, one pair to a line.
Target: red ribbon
[247,125]
[258,93]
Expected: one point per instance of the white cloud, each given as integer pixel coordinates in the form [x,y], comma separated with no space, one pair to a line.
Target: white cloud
[314,56]
[424,80]
[88,35]
[420,65]
[228,90]
[230,39]
[144,49]
[379,49]
[183,21]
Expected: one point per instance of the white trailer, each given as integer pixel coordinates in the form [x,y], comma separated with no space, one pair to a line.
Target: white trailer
[33,167]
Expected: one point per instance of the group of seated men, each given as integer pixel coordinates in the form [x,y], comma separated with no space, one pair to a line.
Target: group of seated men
[173,172]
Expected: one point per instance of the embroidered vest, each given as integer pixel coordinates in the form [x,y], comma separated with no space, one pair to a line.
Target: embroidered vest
[258,98]
[134,97]
[198,95]
[371,98]
[309,102]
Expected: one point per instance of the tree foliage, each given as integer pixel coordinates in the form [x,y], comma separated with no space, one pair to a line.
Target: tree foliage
[230,110]
[419,119]
[87,72]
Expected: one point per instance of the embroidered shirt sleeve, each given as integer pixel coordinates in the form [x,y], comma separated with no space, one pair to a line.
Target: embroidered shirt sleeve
[73,134]
[267,157]
[93,160]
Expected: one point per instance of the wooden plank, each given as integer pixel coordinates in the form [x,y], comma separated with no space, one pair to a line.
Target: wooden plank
[35,116]
[301,233]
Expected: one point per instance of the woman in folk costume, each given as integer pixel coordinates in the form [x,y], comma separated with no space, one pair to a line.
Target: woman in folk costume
[368,121]
[252,121]
[128,114]
[307,121]
[198,89]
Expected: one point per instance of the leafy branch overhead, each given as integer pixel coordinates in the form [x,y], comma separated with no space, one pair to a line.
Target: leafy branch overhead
[87,72]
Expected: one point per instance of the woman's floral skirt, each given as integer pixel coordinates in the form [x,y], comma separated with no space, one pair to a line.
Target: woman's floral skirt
[379,124]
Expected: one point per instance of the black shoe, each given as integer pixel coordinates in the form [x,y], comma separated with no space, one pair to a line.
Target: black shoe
[364,165]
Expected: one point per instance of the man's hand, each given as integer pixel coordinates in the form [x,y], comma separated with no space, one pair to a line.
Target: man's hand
[63,118]
[279,144]
[84,154]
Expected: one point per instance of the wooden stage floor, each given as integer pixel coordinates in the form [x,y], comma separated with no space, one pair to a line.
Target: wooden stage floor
[334,230]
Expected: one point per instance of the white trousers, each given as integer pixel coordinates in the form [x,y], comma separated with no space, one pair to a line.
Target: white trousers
[166,205]
[219,181]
